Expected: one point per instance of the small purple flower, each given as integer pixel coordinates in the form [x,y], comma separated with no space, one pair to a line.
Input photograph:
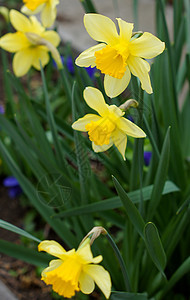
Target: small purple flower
[69,64]
[91,71]
[13,186]
[2,110]
[130,118]
[147,157]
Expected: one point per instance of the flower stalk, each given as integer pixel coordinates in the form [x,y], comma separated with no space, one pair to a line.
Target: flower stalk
[121,262]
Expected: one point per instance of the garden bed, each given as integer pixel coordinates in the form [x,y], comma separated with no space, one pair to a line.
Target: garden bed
[18,276]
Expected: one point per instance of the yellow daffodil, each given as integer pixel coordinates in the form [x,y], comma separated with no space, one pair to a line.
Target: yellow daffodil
[46,7]
[74,270]
[119,55]
[31,43]
[110,127]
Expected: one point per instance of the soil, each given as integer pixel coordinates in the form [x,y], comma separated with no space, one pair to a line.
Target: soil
[17,275]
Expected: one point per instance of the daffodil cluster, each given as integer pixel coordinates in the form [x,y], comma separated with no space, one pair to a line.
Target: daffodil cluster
[31,42]
[117,56]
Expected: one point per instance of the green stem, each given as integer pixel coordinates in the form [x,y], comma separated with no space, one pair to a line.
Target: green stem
[141,150]
[121,262]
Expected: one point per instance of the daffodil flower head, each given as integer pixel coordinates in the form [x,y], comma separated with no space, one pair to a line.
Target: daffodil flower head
[46,7]
[107,128]
[74,270]
[31,42]
[119,55]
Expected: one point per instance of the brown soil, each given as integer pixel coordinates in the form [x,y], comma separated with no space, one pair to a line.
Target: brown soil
[18,276]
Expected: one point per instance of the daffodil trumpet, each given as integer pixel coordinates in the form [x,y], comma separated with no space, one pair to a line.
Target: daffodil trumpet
[119,55]
[74,270]
[31,43]
[109,127]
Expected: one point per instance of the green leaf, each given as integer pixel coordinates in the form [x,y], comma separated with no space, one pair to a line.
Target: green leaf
[187,10]
[128,296]
[81,154]
[115,202]
[175,229]
[131,209]
[185,127]
[10,227]
[57,144]
[88,6]
[170,55]
[46,212]
[160,176]
[24,253]
[154,246]
[181,271]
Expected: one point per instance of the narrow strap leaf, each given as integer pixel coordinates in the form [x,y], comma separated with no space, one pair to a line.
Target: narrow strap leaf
[15,229]
[154,246]
[131,209]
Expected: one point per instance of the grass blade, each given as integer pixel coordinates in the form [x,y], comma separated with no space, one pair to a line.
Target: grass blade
[181,271]
[17,230]
[131,209]
[24,253]
[115,202]
[128,296]
[45,211]
[160,176]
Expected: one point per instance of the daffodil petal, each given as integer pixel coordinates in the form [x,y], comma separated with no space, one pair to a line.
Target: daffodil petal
[130,128]
[54,264]
[52,37]
[125,30]
[95,100]
[119,139]
[140,68]
[102,148]
[81,123]
[48,15]
[146,46]
[14,42]
[53,248]
[101,278]
[101,28]
[19,21]
[114,86]
[41,56]
[86,254]
[25,10]
[87,57]
[97,259]
[36,26]
[86,283]
[22,62]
